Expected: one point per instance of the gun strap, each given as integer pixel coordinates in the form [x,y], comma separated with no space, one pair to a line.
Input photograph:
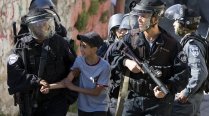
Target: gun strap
[122,94]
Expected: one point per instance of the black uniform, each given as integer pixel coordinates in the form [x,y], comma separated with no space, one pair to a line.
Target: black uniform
[165,56]
[23,67]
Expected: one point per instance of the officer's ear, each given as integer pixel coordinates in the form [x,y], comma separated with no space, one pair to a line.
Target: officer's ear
[154,20]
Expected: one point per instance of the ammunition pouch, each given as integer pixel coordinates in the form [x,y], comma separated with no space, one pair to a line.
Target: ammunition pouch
[114,89]
[142,87]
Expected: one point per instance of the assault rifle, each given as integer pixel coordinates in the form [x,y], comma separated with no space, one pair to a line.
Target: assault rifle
[149,70]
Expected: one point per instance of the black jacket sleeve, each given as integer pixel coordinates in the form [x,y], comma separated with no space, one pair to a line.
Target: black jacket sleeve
[181,71]
[18,79]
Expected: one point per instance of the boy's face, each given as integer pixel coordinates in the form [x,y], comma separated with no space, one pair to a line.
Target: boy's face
[86,49]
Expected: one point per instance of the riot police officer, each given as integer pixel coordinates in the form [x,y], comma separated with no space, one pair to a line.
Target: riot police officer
[113,33]
[40,57]
[50,7]
[129,24]
[161,52]
[188,101]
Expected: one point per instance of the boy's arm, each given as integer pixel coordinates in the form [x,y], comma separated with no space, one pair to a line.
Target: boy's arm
[94,92]
[57,85]
[62,84]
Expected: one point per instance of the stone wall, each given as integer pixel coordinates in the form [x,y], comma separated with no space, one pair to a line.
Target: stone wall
[10,10]
[69,10]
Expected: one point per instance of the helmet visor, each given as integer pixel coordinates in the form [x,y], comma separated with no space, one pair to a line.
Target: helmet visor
[129,22]
[42,29]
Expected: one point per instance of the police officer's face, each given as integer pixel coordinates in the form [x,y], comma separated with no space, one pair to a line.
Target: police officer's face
[123,32]
[178,28]
[118,33]
[144,21]
[42,29]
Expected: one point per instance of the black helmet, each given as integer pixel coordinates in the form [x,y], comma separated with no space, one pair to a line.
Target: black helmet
[129,22]
[48,5]
[41,4]
[115,21]
[183,14]
[155,7]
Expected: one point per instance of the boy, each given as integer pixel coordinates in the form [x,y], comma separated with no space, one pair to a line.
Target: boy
[94,74]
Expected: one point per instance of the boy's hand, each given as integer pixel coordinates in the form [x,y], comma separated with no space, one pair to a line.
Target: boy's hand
[44,89]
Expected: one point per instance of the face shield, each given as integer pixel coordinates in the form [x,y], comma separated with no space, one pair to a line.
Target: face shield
[42,28]
[129,22]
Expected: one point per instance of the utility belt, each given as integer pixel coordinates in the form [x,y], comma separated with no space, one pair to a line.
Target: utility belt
[142,87]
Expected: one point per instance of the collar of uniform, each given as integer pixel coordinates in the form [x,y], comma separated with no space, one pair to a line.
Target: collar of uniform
[158,41]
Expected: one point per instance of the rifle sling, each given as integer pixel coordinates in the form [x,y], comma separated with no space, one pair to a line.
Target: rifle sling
[122,94]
